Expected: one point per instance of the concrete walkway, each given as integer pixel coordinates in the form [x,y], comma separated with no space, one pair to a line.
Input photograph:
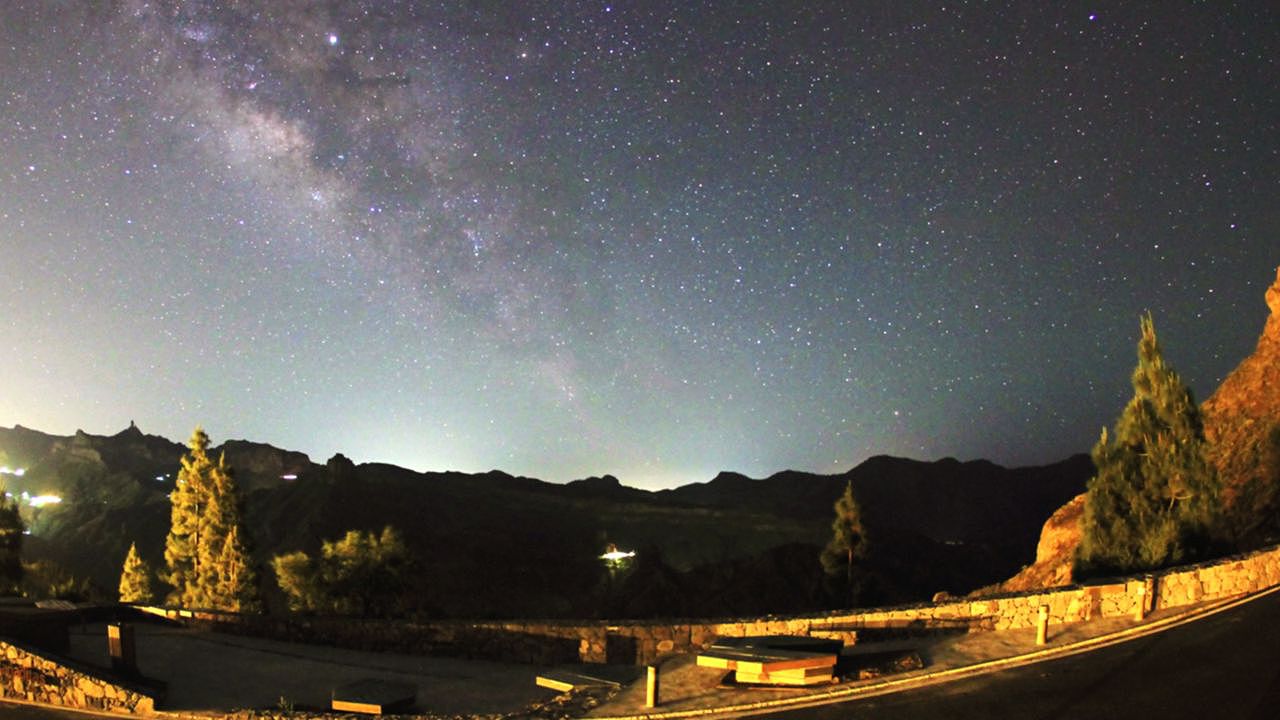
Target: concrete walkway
[691,691]
[212,673]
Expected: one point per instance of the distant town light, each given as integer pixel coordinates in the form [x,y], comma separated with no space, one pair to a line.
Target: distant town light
[16,472]
[613,555]
[42,500]
[289,477]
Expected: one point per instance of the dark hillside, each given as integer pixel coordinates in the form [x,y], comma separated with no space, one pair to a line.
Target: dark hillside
[492,544]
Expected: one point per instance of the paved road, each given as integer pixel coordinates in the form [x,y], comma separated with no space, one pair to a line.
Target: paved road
[9,711]
[1226,666]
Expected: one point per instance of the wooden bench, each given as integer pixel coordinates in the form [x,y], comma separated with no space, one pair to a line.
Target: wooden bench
[774,660]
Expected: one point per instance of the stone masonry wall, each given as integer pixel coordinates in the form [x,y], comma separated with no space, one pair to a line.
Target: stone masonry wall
[31,676]
[634,642]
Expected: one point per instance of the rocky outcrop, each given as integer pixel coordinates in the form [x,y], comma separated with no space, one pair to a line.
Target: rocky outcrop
[1055,553]
[1242,423]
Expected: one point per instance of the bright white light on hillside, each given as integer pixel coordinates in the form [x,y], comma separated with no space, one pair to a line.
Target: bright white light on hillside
[42,500]
[289,477]
[615,555]
[16,472]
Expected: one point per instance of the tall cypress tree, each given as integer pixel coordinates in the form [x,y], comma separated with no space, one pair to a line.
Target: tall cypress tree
[848,540]
[1154,500]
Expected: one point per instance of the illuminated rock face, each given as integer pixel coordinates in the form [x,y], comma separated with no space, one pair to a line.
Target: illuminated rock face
[1243,413]
[1273,296]
[1055,551]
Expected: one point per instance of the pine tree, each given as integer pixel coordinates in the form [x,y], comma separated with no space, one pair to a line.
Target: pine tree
[11,529]
[237,588]
[848,540]
[135,579]
[360,574]
[1154,500]
[298,577]
[188,500]
[205,552]
[228,581]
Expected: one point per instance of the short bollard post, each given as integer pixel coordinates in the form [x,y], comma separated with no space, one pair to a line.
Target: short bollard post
[651,687]
[1140,603]
[121,649]
[1042,626]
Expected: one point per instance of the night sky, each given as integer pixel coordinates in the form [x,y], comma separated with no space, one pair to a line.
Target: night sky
[653,239]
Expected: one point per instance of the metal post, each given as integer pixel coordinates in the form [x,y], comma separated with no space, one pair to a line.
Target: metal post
[651,687]
[121,648]
[1042,626]
[1140,603]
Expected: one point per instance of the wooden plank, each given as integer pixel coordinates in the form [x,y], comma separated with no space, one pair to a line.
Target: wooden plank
[374,697]
[811,643]
[786,677]
[771,665]
[562,680]
[764,662]
[717,661]
[553,684]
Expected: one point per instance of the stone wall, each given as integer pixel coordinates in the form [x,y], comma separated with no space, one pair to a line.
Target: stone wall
[28,675]
[638,642]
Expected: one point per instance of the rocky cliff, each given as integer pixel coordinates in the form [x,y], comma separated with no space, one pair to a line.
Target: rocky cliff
[1054,553]
[1242,425]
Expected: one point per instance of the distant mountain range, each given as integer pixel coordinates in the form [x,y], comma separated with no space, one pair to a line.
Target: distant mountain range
[492,544]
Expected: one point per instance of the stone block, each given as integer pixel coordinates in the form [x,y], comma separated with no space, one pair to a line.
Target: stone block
[90,688]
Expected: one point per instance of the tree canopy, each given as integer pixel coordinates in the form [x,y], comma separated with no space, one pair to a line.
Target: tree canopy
[205,554]
[135,579]
[848,541]
[360,574]
[1154,498]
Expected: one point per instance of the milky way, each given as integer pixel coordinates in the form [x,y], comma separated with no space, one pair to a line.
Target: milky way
[650,239]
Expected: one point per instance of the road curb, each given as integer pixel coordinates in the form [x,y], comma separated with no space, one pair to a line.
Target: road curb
[901,684]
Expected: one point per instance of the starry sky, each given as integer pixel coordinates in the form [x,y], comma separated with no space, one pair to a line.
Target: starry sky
[654,239]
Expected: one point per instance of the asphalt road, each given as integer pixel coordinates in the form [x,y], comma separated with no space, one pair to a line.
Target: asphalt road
[1223,667]
[10,711]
